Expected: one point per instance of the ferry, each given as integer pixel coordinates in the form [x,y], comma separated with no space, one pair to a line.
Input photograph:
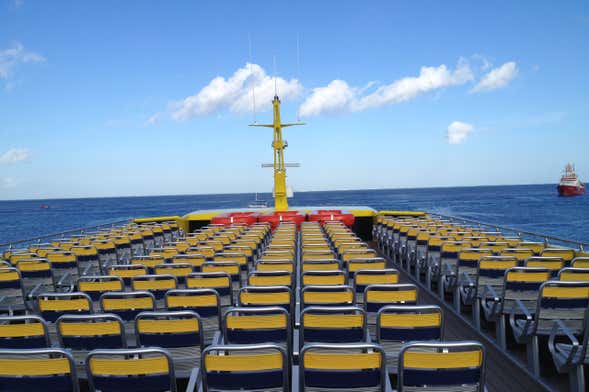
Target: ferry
[338,298]
[570,185]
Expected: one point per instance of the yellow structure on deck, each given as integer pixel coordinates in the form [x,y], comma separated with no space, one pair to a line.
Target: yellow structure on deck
[280,191]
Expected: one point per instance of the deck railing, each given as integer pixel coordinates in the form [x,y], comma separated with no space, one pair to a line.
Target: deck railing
[61,234]
[546,238]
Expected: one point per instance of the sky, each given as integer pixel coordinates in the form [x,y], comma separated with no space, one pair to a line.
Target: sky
[110,98]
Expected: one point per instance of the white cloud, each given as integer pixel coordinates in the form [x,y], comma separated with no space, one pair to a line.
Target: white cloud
[338,96]
[458,132]
[235,93]
[15,155]
[154,119]
[497,77]
[11,57]
[334,97]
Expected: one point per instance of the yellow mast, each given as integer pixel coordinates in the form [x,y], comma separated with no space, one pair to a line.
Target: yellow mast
[278,144]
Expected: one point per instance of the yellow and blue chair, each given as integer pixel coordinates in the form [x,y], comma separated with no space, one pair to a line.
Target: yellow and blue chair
[80,334]
[345,367]
[149,369]
[256,367]
[566,303]
[180,333]
[204,302]
[12,294]
[48,369]
[397,325]
[20,332]
[447,366]
[257,325]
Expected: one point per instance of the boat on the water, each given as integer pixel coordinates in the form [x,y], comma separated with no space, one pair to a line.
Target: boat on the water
[312,298]
[570,184]
[258,203]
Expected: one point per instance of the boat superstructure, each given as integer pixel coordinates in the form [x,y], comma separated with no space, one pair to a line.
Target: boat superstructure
[338,298]
[570,184]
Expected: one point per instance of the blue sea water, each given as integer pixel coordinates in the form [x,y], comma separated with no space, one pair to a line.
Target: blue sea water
[534,208]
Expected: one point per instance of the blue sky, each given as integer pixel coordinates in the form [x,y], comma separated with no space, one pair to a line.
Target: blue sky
[120,98]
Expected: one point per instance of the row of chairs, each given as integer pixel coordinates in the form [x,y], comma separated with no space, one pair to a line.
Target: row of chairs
[541,291]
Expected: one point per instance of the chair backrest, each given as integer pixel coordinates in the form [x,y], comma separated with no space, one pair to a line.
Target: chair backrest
[565,301]
[554,264]
[95,286]
[228,267]
[342,366]
[358,254]
[218,281]
[18,332]
[321,264]
[131,369]
[36,271]
[564,253]
[258,367]
[170,330]
[11,287]
[90,332]
[404,323]
[468,258]
[573,274]
[178,270]
[205,302]
[270,278]
[127,271]
[127,305]
[257,325]
[536,247]
[341,295]
[523,284]
[447,366]
[337,324]
[356,264]
[378,295]
[48,369]
[195,260]
[491,271]
[324,278]
[521,254]
[365,277]
[580,262]
[155,284]
[275,265]
[263,296]
[53,305]
[399,324]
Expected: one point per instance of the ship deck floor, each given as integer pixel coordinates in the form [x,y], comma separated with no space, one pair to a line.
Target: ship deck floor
[505,371]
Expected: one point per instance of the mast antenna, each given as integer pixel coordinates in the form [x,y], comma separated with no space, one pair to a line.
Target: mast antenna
[275,84]
[249,36]
[298,71]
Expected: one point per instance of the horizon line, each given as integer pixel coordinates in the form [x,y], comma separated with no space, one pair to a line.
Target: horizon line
[247,193]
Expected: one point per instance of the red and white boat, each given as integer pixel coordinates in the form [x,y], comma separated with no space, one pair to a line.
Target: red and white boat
[570,185]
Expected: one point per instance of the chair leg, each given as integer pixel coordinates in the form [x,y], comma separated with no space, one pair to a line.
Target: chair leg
[500,332]
[476,312]
[577,379]
[533,356]
[456,298]
[441,279]
[428,279]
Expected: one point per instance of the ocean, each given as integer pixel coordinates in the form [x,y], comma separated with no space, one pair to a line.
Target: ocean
[535,208]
